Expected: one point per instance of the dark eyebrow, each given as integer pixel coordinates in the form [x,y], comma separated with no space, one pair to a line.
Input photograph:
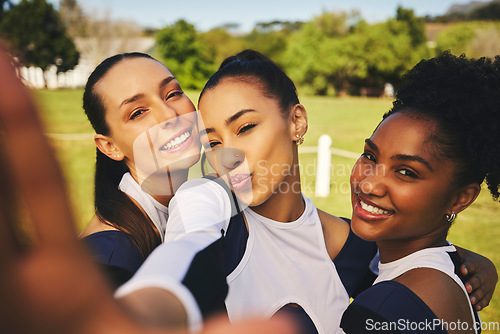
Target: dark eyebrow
[238,115]
[413,158]
[206,131]
[136,97]
[132,99]
[371,144]
[166,81]
[228,121]
[404,157]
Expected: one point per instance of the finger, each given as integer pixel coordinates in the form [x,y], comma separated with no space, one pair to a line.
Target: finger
[473,283]
[35,172]
[468,268]
[476,296]
[483,302]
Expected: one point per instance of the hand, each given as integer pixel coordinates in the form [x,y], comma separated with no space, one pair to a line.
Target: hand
[52,286]
[482,277]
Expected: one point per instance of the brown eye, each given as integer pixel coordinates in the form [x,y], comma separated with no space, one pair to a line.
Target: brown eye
[137,113]
[407,173]
[369,156]
[174,94]
[247,128]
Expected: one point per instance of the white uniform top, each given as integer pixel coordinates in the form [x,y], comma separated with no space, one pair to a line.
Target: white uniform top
[435,258]
[287,263]
[283,262]
[157,212]
[198,212]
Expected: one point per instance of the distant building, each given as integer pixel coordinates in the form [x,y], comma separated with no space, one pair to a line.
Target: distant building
[92,52]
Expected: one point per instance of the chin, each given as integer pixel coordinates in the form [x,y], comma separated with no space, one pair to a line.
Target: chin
[358,229]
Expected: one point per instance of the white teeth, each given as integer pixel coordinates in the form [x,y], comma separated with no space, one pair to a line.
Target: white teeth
[176,142]
[374,210]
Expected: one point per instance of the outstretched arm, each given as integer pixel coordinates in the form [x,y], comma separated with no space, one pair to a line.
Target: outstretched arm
[52,286]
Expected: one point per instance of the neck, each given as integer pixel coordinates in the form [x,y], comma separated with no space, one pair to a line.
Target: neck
[162,185]
[286,204]
[392,250]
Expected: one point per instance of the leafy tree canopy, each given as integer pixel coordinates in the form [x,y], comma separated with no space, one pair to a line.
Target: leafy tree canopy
[34,30]
[186,54]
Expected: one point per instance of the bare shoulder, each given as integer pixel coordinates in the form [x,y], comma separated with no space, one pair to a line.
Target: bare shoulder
[335,230]
[94,226]
[441,293]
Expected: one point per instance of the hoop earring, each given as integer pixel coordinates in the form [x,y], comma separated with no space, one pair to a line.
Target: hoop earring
[299,140]
[451,218]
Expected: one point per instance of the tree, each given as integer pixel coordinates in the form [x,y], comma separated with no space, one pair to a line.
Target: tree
[37,35]
[416,25]
[475,39]
[223,43]
[186,54]
[4,5]
[329,55]
[72,17]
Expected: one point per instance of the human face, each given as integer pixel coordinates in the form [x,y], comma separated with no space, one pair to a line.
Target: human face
[152,122]
[400,190]
[248,140]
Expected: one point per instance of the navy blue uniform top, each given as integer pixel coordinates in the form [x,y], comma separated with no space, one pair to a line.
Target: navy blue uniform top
[116,255]
[391,307]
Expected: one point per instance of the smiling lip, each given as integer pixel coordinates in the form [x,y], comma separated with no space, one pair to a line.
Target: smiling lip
[178,142]
[367,210]
[240,181]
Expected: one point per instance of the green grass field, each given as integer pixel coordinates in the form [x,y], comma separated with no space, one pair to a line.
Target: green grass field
[347,120]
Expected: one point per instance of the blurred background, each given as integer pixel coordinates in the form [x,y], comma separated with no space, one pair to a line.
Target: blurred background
[344,56]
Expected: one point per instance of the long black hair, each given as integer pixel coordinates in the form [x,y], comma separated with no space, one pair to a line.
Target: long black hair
[112,206]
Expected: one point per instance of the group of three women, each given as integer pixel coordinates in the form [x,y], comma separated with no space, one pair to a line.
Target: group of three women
[423,165]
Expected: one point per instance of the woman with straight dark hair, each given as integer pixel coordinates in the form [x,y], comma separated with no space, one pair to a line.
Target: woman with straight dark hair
[146,141]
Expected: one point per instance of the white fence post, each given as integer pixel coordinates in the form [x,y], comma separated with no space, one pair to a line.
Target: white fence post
[324,165]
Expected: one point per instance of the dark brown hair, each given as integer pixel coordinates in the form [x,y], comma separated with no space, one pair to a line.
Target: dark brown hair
[112,206]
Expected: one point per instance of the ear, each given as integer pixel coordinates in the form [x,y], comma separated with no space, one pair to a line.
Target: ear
[108,148]
[298,116]
[464,197]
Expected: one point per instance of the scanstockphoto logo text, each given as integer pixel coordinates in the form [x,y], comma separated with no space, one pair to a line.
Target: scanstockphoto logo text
[429,325]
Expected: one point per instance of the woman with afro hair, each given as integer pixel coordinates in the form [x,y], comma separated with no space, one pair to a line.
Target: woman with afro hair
[423,165]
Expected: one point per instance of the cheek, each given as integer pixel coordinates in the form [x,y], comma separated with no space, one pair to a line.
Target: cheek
[357,174]
[185,106]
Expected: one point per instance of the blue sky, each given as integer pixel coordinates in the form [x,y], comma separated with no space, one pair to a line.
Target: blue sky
[208,14]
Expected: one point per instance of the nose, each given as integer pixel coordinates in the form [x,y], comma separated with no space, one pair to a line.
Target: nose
[166,115]
[371,182]
[230,158]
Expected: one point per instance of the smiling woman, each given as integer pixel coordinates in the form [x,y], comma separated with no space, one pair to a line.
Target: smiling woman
[431,153]
[146,140]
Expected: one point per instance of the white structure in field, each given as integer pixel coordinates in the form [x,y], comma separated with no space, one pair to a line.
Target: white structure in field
[324,165]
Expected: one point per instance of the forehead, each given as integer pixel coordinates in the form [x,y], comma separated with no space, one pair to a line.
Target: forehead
[131,76]
[232,95]
[402,133]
